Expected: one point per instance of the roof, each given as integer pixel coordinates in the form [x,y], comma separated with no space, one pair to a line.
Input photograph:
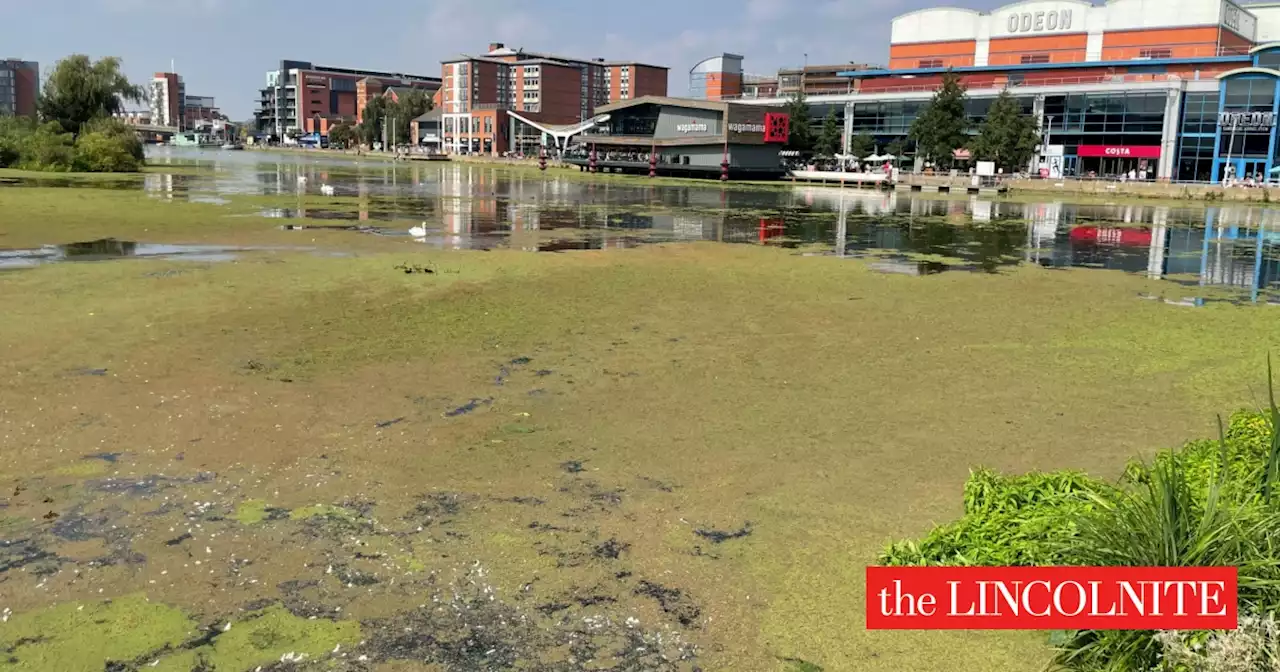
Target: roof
[717,105]
[664,100]
[1242,58]
[539,57]
[431,115]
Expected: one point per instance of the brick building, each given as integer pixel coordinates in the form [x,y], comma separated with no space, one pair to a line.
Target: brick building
[19,87]
[479,93]
[167,94]
[303,98]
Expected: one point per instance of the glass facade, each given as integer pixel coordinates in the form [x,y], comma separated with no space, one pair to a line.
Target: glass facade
[1244,142]
[888,121]
[1113,119]
[1197,137]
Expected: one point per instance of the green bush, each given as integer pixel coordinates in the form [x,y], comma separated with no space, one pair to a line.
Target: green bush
[108,146]
[1008,521]
[46,147]
[1209,504]
[104,146]
[13,133]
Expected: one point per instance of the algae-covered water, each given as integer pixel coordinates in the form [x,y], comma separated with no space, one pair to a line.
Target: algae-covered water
[248,424]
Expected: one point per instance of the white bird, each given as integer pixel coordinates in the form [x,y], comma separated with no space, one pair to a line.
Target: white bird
[302,179]
[419,231]
[326,189]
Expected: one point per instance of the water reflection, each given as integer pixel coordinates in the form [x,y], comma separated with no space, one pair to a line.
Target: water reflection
[470,206]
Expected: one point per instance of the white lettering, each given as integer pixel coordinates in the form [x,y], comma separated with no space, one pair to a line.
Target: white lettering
[746,128]
[955,600]
[1057,599]
[1010,598]
[692,127]
[926,604]
[1026,598]
[1094,601]
[1028,22]
[1212,591]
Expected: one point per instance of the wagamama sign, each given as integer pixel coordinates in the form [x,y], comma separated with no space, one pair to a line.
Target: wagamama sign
[1035,22]
[692,127]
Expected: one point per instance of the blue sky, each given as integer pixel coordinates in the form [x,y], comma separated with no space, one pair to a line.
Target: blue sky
[223,47]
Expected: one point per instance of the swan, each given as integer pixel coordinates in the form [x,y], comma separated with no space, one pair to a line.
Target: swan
[419,231]
[302,179]
[326,189]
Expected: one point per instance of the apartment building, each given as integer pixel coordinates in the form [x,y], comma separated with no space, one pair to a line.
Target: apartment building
[300,97]
[168,98]
[480,93]
[19,87]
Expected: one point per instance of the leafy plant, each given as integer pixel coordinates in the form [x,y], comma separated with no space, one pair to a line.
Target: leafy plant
[1008,521]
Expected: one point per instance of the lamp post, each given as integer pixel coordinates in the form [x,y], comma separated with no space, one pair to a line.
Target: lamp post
[653,159]
[724,162]
[1231,144]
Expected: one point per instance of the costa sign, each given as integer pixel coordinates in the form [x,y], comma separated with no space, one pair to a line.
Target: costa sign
[1038,22]
[1119,151]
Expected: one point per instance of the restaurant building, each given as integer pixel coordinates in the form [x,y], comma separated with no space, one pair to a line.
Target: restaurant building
[691,138]
[1183,89]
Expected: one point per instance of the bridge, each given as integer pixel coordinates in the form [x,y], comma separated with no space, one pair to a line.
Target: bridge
[155,129]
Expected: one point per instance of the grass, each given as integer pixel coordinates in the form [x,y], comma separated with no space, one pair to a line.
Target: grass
[699,386]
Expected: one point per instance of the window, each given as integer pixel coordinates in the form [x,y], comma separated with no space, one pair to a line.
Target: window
[1270,59]
[1156,53]
[475,124]
[1035,58]
[531,96]
[930,63]
[488,124]
[530,83]
[448,125]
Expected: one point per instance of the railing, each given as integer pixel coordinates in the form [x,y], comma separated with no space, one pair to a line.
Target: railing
[998,82]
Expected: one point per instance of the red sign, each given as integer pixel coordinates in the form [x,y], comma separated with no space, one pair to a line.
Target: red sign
[777,127]
[1120,151]
[1051,598]
[1111,236]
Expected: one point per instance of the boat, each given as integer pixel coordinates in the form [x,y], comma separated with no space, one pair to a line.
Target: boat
[232,145]
[194,139]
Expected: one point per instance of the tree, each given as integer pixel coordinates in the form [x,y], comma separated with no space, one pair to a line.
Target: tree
[942,126]
[1008,137]
[897,148]
[375,112]
[862,145]
[412,104]
[801,137]
[342,135]
[79,91]
[829,140]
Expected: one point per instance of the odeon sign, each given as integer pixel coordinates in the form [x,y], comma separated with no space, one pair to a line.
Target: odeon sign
[1246,120]
[1035,22]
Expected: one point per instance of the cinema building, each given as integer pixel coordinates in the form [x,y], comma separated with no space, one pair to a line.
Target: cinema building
[1182,88]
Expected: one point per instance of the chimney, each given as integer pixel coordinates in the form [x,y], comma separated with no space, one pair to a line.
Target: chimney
[494,46]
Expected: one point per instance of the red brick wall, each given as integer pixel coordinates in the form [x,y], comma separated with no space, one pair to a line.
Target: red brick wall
[648,81]
[561,97]
[486,75]
[26,93]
